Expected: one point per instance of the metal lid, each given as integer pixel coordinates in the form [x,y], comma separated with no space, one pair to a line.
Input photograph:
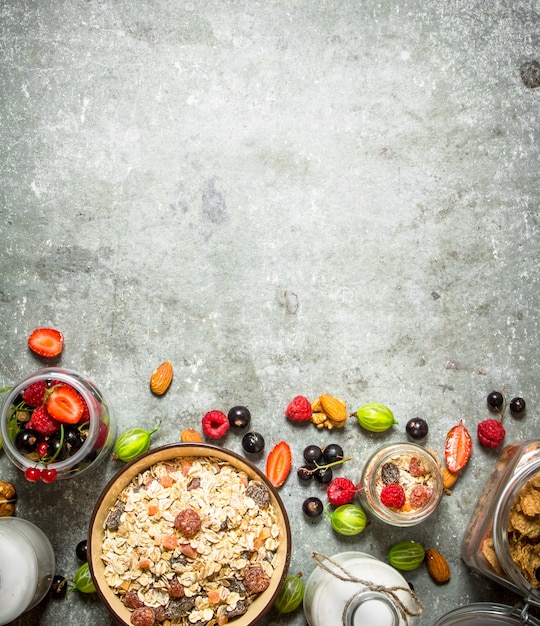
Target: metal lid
[488,614]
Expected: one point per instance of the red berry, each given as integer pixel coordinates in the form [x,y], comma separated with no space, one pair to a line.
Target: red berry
[299,410]
[32,474]
[341,491]
[43,422]
[42,449]
[393,496]
[34,394]
[491,433]
[215,424]
[47,342]
[420,496]
[48,475]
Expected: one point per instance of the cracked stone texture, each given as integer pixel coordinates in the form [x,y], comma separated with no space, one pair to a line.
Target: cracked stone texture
[280,198]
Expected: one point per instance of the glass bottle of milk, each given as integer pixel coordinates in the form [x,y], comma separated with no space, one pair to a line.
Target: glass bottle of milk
[26,567]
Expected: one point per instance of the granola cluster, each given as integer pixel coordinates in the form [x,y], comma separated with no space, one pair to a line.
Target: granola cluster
[190,541]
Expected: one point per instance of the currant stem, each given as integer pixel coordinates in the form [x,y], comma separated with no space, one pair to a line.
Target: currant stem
[338,462]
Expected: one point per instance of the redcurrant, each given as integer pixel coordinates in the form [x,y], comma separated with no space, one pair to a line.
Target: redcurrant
[32,474]
[49,475]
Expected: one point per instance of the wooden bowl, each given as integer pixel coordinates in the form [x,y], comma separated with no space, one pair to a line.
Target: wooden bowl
[263,602]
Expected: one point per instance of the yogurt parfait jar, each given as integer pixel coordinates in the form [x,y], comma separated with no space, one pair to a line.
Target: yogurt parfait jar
[356,589]
[55,424]
[26,567]
[401,484]
[502,539]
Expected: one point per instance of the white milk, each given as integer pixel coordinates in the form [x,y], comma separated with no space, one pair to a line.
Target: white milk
[26,567]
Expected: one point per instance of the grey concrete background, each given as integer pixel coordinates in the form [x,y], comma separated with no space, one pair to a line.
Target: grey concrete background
[280,198]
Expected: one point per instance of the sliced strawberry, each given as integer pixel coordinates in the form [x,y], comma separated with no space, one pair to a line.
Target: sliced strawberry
[46,342]
[65,405]
[457,449]
[278,463]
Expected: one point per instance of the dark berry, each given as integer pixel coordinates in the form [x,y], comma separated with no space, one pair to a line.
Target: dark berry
[59,586]
[82,550]
[313,454]
[495,400]
[239,417]
[517,405]
[305,473]
[323,475]
[417,428]
[57,448]
[72,437]
[253,442]
[312,507]
[332,452]
[26,440]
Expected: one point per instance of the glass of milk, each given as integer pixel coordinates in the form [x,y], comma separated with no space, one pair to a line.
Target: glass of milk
[26,567]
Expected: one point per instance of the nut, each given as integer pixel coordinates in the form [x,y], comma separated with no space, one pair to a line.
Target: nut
[190,434]
[161,378]
[8,497]
[437,566]
[335,408]
[449,479]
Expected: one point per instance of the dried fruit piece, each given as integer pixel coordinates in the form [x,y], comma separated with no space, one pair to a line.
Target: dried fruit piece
[491,433]
[458,446]
[437,566]
[334,408]
[190,435]
[46,342]
[299,409]
[278,463]
[161,378]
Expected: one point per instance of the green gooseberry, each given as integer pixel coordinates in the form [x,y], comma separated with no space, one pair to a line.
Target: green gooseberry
[132,443]
[83,581]
[291,594]
[348,519]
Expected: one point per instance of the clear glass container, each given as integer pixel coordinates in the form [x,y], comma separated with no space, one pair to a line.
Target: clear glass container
[347,589]
[488,546]
[26,567]
[487,614]
[95,430]
[413,467]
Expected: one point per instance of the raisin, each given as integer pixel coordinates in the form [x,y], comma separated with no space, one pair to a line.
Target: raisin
[176,588]
[143,616]
[390,473]
[188,522]
[258,493]
[256,579]
[132,600]
[240,609]
[236,586]
[160,614]
[178,608]
[113,519]
[194,483]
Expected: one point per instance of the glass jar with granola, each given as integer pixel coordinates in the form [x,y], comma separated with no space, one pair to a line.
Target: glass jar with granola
[402,484]
[502,539]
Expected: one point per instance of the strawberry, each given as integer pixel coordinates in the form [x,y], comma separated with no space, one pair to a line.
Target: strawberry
[278,463]
[34,394]
[341,491]
[43,422]
[65,404]
[491,433]
[299,410]
[46,342]
[215,424]
[457,449]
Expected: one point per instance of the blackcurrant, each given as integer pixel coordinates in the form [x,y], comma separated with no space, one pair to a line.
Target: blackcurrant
[72,437]
[417,428]
[323,475]
[57,448]
[495,400]
[26,440]
[82,550]
[517,405]
[313,454]
[312,507]
[239,417]
[332,452]
[253,442]
[304,473]
[59,586]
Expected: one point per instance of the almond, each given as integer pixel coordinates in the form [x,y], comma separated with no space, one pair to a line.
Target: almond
[437,566]
[449,478]
[190,435]
[335,408]
[161,378]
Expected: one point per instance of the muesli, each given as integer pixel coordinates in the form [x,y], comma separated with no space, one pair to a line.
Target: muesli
[190,541]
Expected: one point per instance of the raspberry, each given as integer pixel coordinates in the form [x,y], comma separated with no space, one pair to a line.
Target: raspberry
[393,496]
[341,491]
[43,422]
[215,424]
[491,433]
[299,410]
[34,394]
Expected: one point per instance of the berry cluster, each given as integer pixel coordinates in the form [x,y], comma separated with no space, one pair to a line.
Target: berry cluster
[491,432]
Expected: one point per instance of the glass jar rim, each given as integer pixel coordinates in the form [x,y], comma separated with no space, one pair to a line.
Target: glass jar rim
[472,612]
[71,378]
[501,516]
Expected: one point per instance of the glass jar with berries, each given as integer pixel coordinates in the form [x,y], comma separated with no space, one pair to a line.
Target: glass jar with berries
[55,424]
[401,484]
[502,539]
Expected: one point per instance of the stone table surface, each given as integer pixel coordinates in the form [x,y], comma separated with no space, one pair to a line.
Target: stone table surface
[280,198]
